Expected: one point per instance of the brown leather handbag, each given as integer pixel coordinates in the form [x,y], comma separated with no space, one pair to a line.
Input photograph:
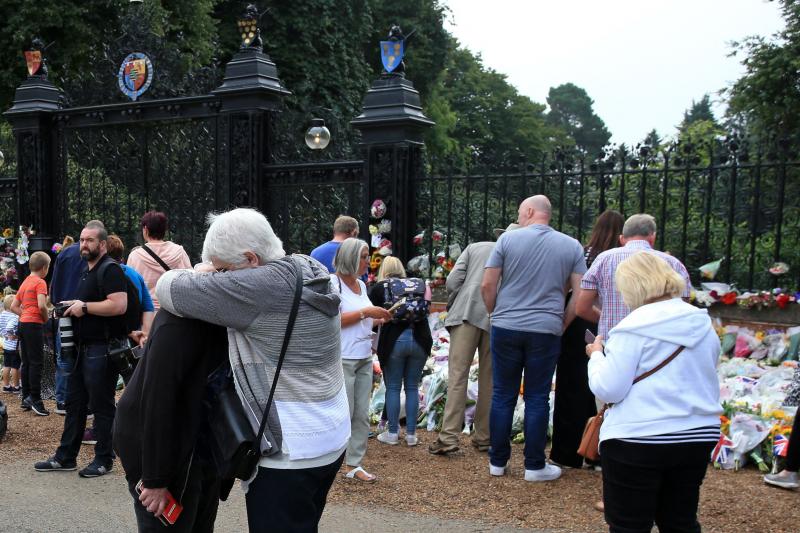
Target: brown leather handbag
[590,442]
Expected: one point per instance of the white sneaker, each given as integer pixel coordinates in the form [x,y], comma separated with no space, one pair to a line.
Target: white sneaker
[497,470]
[388,438]
[411,440]
[548,473]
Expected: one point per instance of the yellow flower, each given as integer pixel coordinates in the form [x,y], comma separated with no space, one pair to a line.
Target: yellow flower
[760,335]
[8,233]
[779,414]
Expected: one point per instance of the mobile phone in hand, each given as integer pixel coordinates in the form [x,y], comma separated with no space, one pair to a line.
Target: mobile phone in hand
[171,512]
[589,337]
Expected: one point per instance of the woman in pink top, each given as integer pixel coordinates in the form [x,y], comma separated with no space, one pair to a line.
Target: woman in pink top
[154,227]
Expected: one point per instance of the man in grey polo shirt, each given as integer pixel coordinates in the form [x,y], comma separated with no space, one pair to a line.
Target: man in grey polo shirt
[537,265]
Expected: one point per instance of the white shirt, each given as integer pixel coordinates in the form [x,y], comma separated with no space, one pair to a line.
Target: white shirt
[356,338]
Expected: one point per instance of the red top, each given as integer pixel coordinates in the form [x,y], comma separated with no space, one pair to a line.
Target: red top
[28,295]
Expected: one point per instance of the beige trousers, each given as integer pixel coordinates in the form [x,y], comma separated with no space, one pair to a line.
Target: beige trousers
[464,340]
[358,384]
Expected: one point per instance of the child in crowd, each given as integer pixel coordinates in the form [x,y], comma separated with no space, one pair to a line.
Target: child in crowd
[30,304]
[8,332]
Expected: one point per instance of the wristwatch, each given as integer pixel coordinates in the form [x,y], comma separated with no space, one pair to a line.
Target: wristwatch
[85,308]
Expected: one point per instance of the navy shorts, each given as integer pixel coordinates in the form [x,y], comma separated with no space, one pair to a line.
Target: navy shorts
[11,359]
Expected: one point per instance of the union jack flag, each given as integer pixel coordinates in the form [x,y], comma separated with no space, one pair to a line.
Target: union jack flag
[721,450]
[780,445]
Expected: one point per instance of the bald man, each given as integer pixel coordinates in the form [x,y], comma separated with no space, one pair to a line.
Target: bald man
[537,264]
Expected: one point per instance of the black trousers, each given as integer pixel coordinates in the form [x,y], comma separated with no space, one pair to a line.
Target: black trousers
[200,501]
[31,340]
[574,401]
[646,483]
[289,500]
[90,385]
[793,453]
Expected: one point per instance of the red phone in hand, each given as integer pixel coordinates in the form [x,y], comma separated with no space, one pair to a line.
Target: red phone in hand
[171,512]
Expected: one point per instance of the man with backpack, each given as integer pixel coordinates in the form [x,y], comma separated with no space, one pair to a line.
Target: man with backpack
[99,321]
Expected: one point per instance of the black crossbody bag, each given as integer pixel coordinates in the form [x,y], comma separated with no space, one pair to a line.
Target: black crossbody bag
[236,449]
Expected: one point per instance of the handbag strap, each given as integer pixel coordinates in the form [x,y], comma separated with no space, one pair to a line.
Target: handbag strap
[298,291]
[664,363]
[155,256]
[647,374]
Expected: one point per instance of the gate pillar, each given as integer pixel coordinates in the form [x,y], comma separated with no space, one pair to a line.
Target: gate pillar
[31,118]
[392,125]
[250,94]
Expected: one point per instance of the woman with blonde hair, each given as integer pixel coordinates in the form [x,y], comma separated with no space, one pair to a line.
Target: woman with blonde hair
[658,374]
[403,347]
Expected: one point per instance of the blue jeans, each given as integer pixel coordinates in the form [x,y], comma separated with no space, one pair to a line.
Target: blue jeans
[63,368]
[405,364]
[92,383]
[512,352]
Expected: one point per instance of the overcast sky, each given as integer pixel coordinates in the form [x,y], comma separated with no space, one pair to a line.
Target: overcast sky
[642,62]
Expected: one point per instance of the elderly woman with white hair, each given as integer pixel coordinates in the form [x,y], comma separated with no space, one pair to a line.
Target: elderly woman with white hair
[250,290]
[658,369]
[358,316]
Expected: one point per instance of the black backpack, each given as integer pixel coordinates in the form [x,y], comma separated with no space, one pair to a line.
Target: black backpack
[415,308]
[133,315]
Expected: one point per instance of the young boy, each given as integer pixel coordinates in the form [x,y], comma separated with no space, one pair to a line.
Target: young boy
[8,331]
[30,304]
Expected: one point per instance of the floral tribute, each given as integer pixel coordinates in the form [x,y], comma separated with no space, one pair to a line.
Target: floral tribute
[441,264]
[13,252]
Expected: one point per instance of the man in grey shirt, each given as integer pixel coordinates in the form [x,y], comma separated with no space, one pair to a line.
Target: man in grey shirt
[537,265]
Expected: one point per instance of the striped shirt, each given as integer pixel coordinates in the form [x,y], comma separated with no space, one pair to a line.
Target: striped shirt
[8,330]
[600,278]
[702,434]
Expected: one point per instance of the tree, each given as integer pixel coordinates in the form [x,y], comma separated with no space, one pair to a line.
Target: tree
[571,110]
[768,94]
[700,110]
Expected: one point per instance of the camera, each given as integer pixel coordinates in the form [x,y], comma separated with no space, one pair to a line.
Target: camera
[120,352]
[65,333]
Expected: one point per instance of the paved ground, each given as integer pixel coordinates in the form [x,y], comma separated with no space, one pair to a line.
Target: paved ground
[68,504]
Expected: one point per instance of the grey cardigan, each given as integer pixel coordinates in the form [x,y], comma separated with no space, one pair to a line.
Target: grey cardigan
[311,419]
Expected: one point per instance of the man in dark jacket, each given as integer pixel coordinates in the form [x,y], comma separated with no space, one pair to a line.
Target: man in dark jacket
[161,429]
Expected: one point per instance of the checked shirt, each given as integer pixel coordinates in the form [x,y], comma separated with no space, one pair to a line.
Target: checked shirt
[600,278]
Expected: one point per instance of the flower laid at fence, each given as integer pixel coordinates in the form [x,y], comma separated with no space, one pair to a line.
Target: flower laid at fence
[757,376]
[13,252]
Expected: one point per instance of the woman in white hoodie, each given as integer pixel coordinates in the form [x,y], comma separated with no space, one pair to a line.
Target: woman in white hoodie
[656,439]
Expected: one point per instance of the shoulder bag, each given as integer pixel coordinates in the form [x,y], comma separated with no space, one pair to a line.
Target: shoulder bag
[236,449]
[590,442]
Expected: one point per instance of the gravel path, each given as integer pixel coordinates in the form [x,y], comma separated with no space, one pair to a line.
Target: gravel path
[68,504]
[415,492]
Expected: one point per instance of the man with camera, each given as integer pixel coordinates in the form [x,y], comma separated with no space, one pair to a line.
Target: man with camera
[100,329]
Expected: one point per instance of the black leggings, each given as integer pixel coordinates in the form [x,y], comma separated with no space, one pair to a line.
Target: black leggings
[793,453]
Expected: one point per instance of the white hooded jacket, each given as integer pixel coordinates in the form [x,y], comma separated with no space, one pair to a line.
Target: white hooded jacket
[683,395]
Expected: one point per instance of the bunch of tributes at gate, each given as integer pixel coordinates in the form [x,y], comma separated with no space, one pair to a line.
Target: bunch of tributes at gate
[444,257]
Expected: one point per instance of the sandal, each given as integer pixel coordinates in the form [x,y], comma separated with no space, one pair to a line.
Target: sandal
[364,477]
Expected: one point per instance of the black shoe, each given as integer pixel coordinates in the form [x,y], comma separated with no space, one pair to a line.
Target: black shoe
[61,408]
[26,404]
[51,465]
[95,469]
[39,408]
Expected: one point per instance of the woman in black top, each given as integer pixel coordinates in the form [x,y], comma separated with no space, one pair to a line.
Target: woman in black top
[403,349]
[574,402]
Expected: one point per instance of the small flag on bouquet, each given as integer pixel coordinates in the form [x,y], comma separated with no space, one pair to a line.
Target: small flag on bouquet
[780,445]
[720,452]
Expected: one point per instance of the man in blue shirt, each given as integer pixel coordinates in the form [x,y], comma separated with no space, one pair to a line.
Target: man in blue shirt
[344,227]
[63,287]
